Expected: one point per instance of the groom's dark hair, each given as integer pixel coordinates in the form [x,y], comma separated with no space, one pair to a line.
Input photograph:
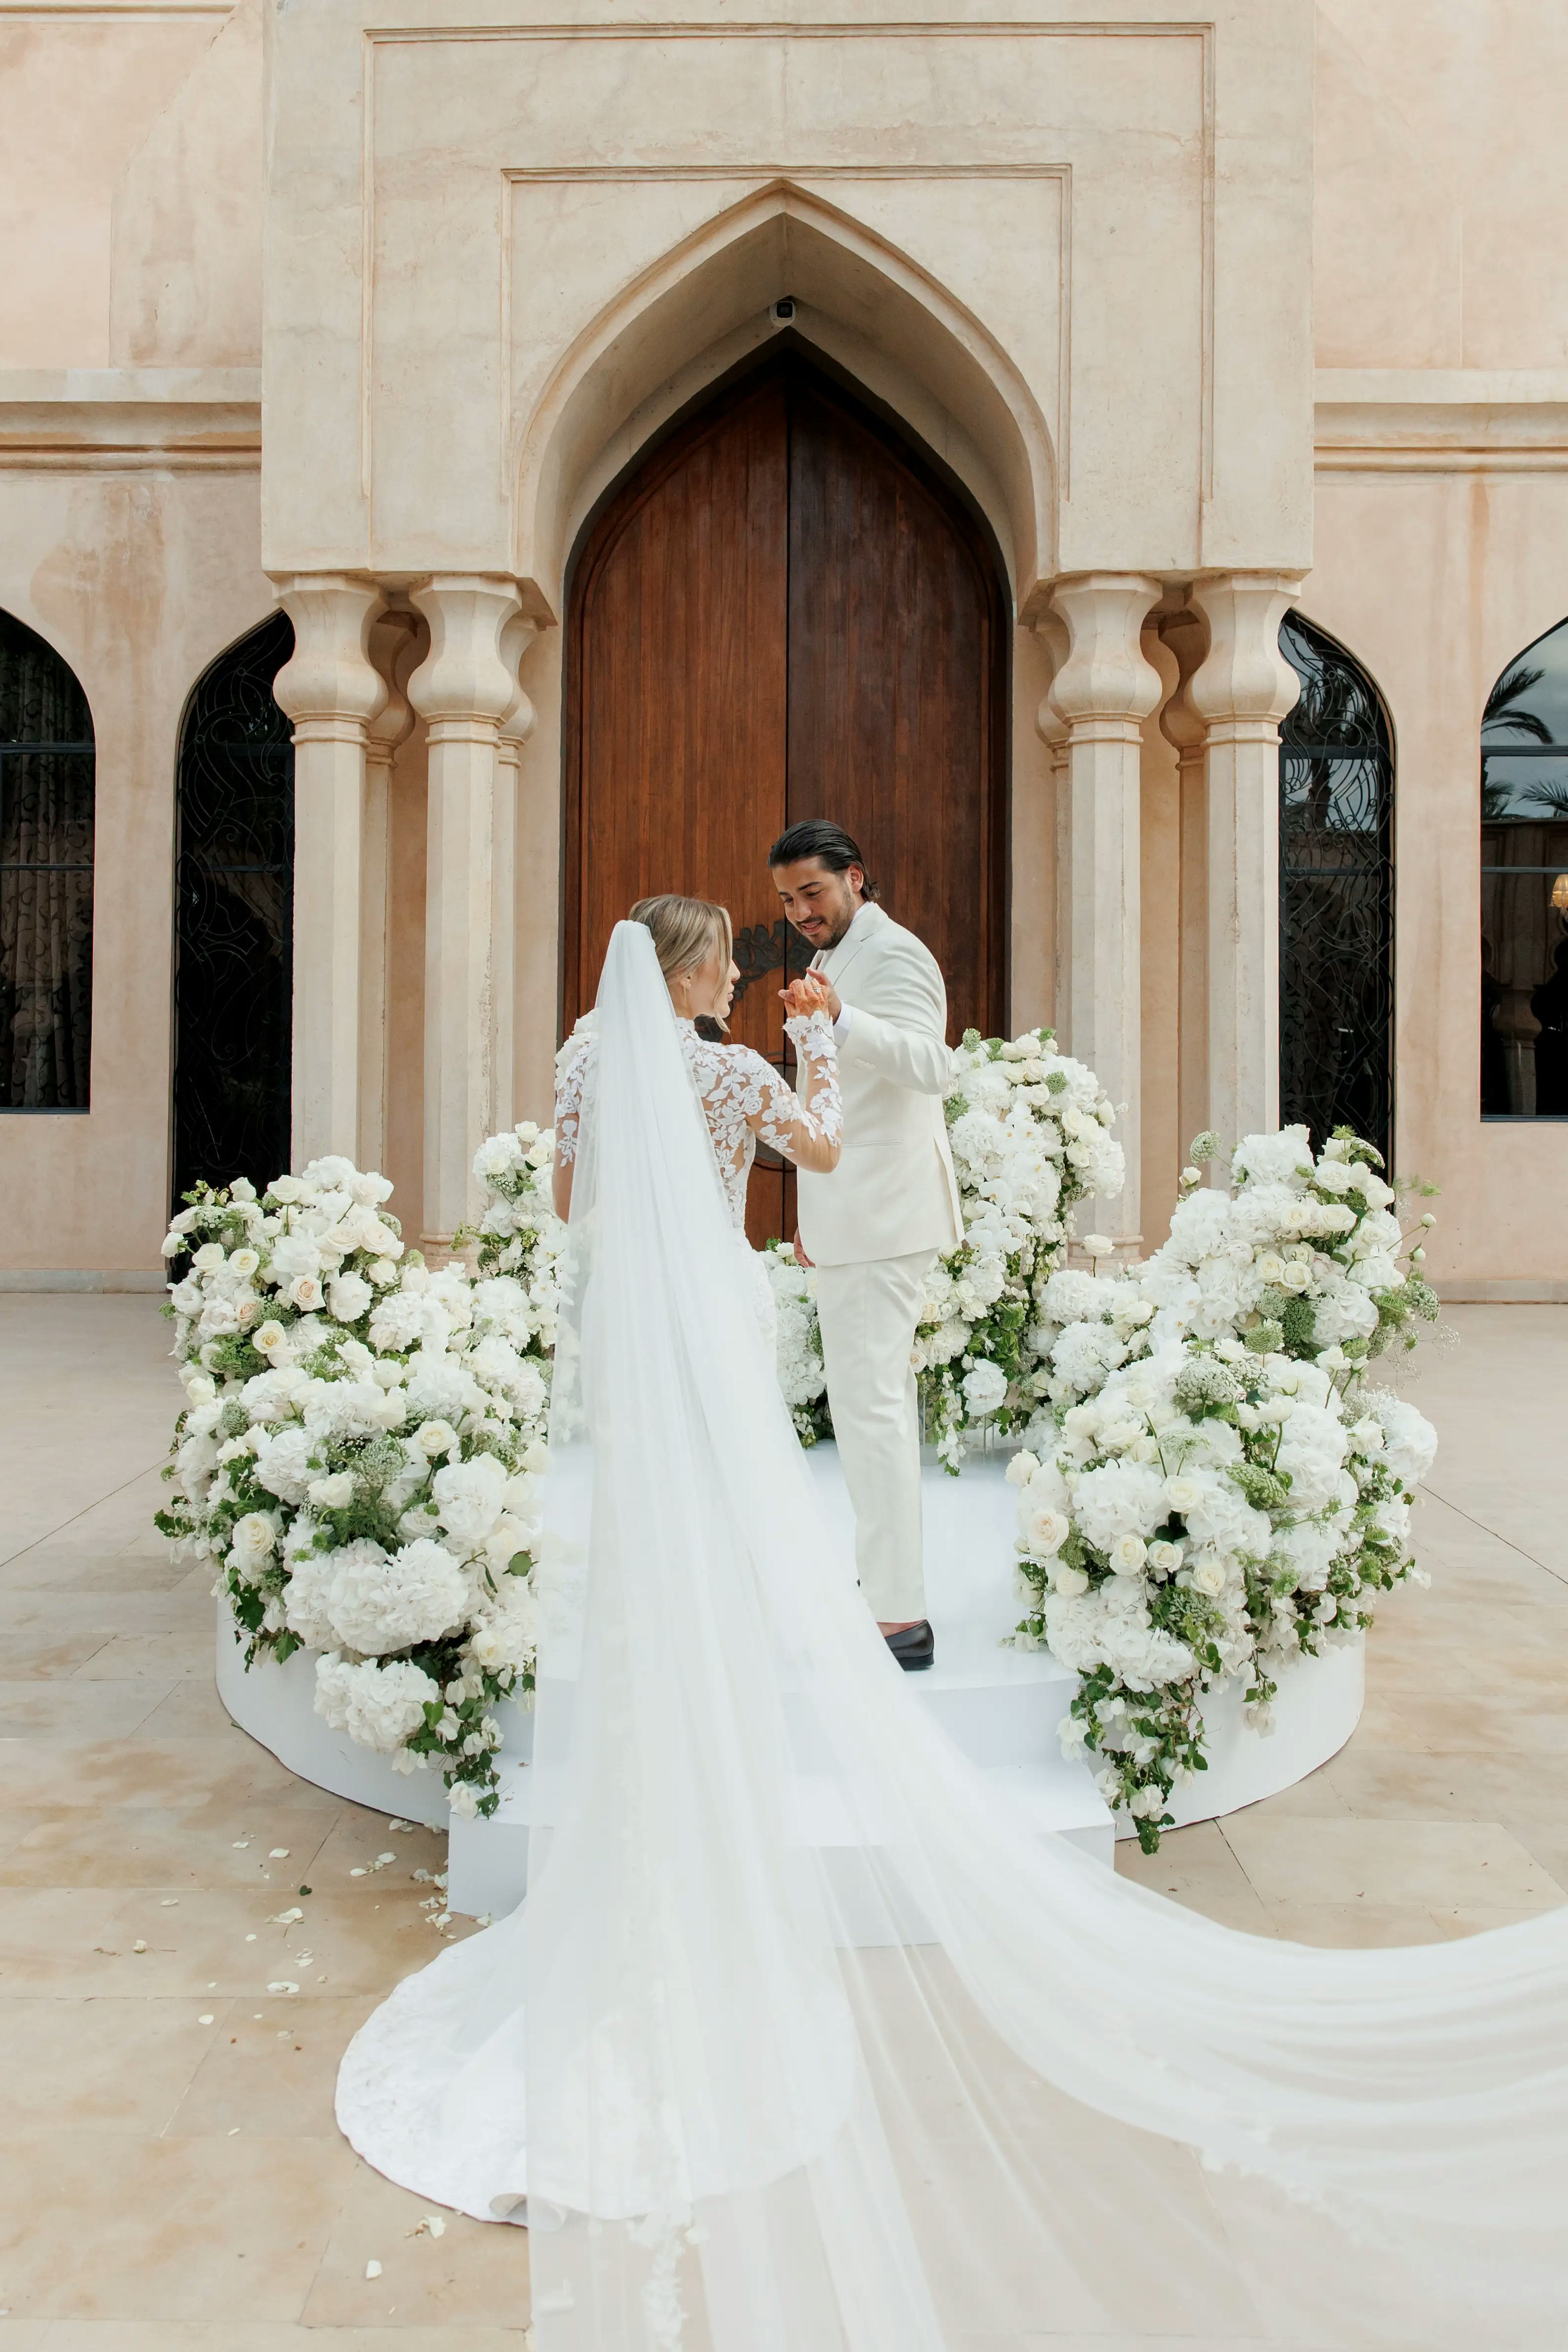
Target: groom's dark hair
[818,836]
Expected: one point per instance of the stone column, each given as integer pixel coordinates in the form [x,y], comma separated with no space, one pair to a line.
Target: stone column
[393,640]
[1102,694]
[516,725]
[331,689]
[1241,691]
[1051,729]
[1188,641]
[463,689]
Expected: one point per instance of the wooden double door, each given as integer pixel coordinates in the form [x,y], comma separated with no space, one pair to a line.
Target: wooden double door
[783,610]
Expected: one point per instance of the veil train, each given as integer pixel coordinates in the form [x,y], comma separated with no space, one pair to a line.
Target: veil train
[803,2039]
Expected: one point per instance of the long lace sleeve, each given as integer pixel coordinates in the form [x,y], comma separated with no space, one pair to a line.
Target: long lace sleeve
[571,1088]
[807,1126]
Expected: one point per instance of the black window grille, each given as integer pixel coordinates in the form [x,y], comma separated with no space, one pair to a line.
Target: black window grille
[46,760]
[233,935]
[1524,885]
[1336,895]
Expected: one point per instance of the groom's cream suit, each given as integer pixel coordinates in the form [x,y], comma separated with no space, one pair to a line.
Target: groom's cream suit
[873,1228]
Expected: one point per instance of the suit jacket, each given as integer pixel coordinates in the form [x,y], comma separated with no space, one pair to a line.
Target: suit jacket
[893,1190]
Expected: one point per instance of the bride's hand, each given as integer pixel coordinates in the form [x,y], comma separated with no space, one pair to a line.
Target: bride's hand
[810,993]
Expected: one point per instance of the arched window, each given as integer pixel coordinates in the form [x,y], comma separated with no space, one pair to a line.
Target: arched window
[45,876]
[1336,895]
[234,936]
[1524,885]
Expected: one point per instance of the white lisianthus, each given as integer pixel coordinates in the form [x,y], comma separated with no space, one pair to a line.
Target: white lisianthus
[349,1296]
[469,1497]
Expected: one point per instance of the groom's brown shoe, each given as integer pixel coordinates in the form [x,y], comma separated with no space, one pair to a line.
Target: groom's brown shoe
[914,1646]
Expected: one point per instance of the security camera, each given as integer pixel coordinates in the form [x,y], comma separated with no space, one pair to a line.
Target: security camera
[783,311]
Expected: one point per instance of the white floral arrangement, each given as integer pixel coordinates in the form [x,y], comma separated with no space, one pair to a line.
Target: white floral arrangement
[1030,1133]
[803,1376]
[1211,1487]
[359,1457]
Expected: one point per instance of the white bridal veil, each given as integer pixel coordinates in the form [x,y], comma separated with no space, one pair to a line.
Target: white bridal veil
[804,2039]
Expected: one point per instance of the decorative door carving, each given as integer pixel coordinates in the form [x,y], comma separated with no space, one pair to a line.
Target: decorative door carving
[783,610]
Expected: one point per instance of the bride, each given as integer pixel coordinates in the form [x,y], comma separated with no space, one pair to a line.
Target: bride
[803,2040]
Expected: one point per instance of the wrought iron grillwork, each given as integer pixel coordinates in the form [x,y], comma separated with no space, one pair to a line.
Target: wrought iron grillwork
[46,762]
[1524,885]
[1336,895]
[234,944]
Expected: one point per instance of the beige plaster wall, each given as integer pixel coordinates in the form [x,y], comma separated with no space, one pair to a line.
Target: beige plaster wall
[1441,178]
[79,89]
[527,217]
[139,580]
[1434,580]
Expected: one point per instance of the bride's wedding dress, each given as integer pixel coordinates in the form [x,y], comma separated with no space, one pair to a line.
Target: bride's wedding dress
[1026,2101]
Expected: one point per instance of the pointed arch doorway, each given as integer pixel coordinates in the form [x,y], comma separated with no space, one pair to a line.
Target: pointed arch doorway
[786,608]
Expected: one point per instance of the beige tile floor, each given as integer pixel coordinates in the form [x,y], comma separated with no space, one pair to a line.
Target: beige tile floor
[170,2176]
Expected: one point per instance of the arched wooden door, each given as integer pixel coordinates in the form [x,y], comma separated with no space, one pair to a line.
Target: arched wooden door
[784,611]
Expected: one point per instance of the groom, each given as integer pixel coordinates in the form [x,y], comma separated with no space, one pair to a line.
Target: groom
[873,1228]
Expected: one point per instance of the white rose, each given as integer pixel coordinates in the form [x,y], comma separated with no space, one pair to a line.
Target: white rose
[253,1537]
[384,1272]
[306,1293]
[1070,1582]
[1022,1467]
[537,1457]
[1128,1554]
[1045,1531]
[199,1389]
[269,1338]
[1208,1577]
[333,1494]
[434,1437]
[1165,1558]
[1182,1493]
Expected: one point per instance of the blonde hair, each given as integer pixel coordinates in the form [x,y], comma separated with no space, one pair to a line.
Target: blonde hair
[685,931]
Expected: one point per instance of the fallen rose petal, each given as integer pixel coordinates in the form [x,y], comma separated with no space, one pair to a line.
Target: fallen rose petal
[138,1945]
[281,1987]
[205,2019]
[372,2270]
[279,1853]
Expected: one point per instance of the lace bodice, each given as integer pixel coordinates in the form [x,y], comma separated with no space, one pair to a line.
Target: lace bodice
[744,1099]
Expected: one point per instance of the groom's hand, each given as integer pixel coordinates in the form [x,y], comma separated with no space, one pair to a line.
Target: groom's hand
[810,993]
[801,1257]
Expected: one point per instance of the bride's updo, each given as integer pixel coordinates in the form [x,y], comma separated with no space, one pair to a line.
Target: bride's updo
[685,931]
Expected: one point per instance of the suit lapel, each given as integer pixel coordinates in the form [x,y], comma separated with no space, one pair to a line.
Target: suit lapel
[837,961]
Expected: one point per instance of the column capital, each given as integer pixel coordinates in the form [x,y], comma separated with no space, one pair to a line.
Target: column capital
[1244,685]
[1186,638]
[392,640]
[329,687]
[1049,724]
[1105,688]
[516,722]
[463,688]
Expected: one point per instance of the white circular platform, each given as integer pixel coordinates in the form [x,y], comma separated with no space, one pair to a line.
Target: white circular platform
[1001,1705]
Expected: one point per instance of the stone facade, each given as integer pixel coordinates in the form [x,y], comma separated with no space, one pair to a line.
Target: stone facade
[1215,313]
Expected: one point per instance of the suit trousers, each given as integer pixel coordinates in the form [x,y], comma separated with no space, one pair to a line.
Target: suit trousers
[868,1313]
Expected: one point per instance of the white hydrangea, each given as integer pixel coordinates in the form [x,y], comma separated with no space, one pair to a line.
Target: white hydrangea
[378,1707]
[378,1604]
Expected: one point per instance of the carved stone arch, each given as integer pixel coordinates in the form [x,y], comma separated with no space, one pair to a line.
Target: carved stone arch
[874,311]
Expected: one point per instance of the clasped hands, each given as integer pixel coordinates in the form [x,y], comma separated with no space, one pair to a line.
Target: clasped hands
[810,993]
